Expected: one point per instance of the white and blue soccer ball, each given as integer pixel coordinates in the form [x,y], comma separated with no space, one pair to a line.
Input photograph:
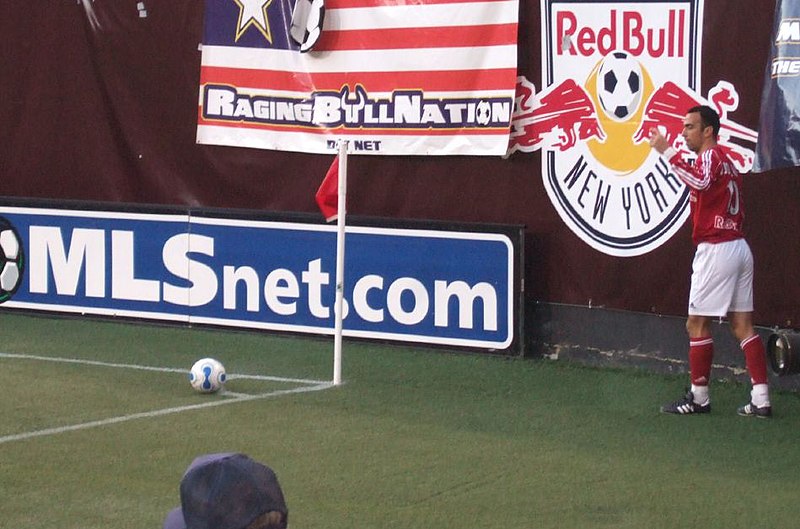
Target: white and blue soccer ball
[307,19]
[619,85]
[12,261]
[207,375]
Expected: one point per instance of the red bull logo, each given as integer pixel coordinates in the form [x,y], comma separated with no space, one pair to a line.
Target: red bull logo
[611,72]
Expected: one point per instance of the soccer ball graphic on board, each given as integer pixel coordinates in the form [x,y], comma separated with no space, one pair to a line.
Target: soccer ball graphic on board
[12,260]
[619,85]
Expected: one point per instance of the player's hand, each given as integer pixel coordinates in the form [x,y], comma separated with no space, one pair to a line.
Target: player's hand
[658,141]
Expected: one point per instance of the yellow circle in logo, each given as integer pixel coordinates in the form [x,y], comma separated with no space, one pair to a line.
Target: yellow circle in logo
[618,152]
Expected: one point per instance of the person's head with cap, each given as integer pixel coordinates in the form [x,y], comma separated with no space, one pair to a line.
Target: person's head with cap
[229,491]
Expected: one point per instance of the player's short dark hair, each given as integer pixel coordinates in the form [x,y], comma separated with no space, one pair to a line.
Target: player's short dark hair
[708,117]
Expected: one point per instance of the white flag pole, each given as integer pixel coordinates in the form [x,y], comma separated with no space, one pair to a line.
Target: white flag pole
[341,209]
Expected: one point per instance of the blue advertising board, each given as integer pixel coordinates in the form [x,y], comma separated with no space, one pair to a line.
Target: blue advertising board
[431,286]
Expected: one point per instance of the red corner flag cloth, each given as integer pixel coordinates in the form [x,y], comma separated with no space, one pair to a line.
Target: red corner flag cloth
[328,192]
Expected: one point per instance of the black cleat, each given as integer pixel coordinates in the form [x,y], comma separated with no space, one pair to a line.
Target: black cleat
[685,406]
[751,410]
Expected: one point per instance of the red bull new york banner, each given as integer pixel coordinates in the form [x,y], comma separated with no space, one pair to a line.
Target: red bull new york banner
[611,71]
[434,77]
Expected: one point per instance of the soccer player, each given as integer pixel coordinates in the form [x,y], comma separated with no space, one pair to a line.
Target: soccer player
[722,270]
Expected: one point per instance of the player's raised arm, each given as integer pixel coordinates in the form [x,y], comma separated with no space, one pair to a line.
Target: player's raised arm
[695,176]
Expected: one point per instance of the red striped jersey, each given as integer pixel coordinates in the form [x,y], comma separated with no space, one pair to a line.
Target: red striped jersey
[715,195]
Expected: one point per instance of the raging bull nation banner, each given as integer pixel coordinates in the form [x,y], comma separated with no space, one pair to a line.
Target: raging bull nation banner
[426,77]
[610,72]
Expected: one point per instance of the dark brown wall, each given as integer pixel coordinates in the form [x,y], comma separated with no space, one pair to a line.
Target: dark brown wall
[110,115]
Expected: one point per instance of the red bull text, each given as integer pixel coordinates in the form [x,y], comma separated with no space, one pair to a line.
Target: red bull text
[626,30]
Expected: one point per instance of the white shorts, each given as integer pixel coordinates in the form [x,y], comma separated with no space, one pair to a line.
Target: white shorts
[722,279]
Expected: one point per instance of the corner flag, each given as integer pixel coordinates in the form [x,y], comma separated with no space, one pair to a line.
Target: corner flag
[328,192]
[332,201]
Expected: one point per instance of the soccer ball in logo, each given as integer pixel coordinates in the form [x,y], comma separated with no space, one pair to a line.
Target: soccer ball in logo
[12,260]
[483,113]
[619,85]
[207,375]
[307,19]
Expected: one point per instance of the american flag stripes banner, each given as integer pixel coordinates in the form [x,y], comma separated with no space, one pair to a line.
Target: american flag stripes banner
[433,77]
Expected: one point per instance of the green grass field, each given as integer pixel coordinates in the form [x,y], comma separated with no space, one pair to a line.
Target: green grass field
[413,439]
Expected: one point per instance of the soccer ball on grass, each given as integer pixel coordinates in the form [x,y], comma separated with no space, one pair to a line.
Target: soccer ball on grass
[207,375]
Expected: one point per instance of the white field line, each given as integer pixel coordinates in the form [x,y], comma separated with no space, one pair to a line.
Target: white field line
[231,397]
[149,368]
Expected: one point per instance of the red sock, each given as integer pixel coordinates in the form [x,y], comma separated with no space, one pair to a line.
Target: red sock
[701,354]
[755,358]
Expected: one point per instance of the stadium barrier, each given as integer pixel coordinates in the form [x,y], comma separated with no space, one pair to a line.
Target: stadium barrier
[446,284]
